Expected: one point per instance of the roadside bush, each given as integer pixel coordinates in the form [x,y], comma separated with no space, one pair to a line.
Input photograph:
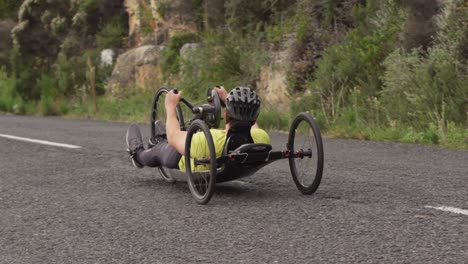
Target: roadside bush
[7,84]
[430,90]
[271,118]
[355,64]
[65,75]
[221,60]
[9,9]
[170,57]
[245,15]
[48,88]
[112,34]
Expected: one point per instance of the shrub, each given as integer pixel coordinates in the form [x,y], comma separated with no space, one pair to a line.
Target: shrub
[270,118]
[7,84]
[64,75]
[48,88]
[222,60]
[25,85]
[9,9]
[112,34]
[170,60]
[430,89]
[356,63]
[162,7]
[88,5]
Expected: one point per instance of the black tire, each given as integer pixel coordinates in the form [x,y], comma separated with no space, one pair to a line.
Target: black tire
[158,112]
[216,102]
[304,127]
[202,184]
[166,177]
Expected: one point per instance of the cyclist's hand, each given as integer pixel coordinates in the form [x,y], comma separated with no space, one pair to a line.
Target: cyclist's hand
[222,93]
[172,99]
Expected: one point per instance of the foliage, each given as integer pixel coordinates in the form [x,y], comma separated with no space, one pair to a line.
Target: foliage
[430,90]
[354,64]
[346,68]
[47,85]
[243,16]
[170,60]
[275,33]
[7,84]
[221,59]
[88,5]
[112,34]
[270,118]
[134,107]
[285,24]
[9,9]
[26,71]
[162,7]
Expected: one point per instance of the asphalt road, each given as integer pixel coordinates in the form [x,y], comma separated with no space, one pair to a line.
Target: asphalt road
[89,205]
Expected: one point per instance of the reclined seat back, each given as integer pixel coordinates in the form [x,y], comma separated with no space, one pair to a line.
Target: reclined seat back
[238,135]
[239,140]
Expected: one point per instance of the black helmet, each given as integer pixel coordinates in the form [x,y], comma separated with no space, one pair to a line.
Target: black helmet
[243,104]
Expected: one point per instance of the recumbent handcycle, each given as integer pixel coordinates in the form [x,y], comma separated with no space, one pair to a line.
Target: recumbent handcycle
[304,149]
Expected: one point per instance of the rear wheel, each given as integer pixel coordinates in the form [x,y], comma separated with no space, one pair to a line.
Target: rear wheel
[159,113]
[306,163]
[200,161]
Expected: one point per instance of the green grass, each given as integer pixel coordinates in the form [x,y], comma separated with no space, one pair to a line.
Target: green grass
[136,108]
[457,136]
[271,119]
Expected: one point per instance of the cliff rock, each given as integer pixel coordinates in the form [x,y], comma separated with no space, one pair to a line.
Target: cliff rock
[136,67]
[154,22]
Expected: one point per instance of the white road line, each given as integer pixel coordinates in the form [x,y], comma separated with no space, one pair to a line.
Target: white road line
[44,142]
[449,209]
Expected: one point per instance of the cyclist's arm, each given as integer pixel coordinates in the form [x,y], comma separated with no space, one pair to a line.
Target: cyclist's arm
[175,136]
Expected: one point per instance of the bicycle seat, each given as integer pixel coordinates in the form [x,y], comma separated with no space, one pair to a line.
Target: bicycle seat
[253,148]
[238,135]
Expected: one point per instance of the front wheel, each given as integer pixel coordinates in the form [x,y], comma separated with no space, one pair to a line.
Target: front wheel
[158,113]
[306,148]
[200,161]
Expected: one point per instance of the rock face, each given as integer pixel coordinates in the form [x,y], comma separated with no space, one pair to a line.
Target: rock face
[187,49]
[136,67]
[421,25]
[272,88]
[166,18]
[151,23]
[154,22]
[134,20]
[272,85]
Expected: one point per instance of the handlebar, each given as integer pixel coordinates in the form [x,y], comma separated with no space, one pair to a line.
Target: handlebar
[196,109]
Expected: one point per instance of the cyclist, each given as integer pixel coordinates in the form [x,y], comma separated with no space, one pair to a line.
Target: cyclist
[242,110]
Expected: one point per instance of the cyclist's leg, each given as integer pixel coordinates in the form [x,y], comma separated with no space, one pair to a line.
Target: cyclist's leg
[162,154]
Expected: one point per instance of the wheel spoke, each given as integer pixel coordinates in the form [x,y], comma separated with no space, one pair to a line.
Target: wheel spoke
[200,147]
[305,169]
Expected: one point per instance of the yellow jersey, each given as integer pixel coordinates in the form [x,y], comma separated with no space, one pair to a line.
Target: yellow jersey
[199,147]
